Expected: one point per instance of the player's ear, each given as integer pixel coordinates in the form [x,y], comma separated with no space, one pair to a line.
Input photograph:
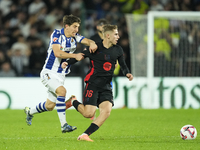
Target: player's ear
[66,26]
[108,35]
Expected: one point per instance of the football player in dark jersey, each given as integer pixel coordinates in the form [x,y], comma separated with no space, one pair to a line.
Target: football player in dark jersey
[98,91]
[98,37]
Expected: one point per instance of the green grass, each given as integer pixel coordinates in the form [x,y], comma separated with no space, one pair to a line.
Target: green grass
[125,129]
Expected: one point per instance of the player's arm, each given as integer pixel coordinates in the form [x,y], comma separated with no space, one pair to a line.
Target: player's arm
[61,54]
[92,45]
[124,68]
[72,61]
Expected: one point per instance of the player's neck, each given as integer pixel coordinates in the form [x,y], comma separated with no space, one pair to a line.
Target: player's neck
[100,34]
[107,44]
[66,33]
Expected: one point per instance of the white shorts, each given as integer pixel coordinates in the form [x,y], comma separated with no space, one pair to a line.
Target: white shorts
[52,81]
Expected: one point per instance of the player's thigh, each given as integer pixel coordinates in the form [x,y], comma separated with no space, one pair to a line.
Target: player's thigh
[90,95]
[90,110]
[105,107]
[105,95]
[51,96]
[51,81]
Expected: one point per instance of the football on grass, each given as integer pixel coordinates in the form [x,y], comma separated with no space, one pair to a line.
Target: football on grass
[188,132]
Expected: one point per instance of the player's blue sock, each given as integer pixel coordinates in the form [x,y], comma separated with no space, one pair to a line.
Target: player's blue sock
[39,108]
[60,104]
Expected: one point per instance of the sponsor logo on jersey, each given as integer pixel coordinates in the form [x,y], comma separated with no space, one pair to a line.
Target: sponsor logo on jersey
[107,57]
[107,66]
[55,39]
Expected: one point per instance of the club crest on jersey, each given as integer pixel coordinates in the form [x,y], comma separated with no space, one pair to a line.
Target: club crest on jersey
[107,66]
[61,48]
[47,75]
[55,39]
[72,40]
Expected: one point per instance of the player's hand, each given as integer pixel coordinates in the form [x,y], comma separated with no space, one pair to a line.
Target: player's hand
[129,76]
[64,65]
[93,47]
[116,65]
[79,56]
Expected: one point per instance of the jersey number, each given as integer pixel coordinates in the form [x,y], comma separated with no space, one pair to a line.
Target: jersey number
[89,93]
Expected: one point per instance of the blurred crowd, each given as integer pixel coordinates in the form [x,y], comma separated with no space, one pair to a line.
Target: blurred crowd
[26,25]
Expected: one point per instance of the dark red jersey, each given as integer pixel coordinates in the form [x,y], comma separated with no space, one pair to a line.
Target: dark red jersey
[102,64]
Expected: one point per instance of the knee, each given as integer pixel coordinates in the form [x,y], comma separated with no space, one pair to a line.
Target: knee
[50,107]
[106,113]
[61,91]
[88,114]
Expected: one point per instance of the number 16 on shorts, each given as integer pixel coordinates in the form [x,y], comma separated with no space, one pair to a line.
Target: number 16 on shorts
[89,93]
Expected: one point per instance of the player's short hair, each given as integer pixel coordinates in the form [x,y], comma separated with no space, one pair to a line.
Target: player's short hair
[109,27]
[70,19]
[101,22]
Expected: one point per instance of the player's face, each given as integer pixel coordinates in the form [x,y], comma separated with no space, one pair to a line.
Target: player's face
[114,37]
[100,28]
[72,30]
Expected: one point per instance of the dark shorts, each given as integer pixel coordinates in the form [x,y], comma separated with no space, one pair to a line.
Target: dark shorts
[94,95]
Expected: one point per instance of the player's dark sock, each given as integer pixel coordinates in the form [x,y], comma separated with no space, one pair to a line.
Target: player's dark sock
[75,104]
[92,128]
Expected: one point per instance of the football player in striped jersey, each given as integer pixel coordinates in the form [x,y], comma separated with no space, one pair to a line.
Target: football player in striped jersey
[62,45]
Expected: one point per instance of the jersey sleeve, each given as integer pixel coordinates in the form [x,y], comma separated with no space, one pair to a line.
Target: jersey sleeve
[79,37]
[55,37]
[86,52]
[122,62]
[72,61]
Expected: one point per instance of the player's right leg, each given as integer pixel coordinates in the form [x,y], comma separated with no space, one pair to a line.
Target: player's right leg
[88,108]
[88,111]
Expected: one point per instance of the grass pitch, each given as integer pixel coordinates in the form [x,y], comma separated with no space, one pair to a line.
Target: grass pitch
[125,129]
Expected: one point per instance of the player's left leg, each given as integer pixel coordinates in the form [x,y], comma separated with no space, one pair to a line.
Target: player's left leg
[105,109]
[61,107]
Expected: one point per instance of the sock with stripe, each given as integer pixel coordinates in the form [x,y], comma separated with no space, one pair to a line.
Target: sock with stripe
[75,103]
[39,108]
[92,128]
[60,104]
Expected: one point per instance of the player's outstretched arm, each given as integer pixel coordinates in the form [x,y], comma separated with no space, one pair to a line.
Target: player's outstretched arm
[92,45]
[79,56]
[129,76]
[71,61]
[61,54]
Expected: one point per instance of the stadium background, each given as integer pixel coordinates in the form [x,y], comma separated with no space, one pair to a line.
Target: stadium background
[24,35]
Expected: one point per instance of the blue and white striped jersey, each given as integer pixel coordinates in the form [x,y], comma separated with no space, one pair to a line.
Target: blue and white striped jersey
[68,45]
